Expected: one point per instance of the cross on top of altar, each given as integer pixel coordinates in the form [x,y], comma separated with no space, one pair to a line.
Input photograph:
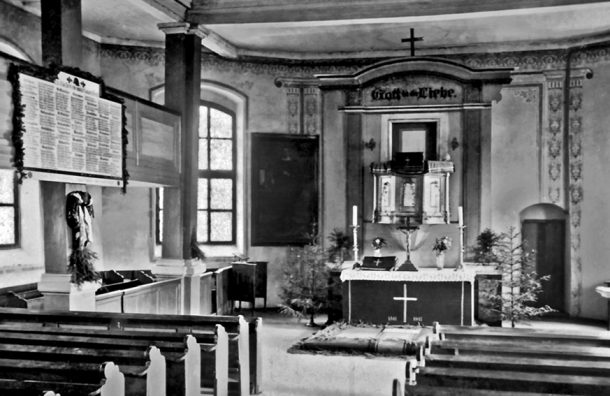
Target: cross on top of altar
[412,39]
[404,300]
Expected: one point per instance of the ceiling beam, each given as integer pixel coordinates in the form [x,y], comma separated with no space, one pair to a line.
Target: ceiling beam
[175,10]
[210,12]
[217,44]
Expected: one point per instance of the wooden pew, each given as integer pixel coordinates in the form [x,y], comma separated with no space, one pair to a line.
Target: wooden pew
[480,361]
[32,369]
[205,364]
[107,379]
[236,327]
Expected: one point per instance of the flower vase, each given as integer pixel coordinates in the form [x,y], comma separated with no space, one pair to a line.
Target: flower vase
[440,261]
[377,252]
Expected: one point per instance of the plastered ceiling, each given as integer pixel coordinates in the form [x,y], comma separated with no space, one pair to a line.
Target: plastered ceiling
[304,30]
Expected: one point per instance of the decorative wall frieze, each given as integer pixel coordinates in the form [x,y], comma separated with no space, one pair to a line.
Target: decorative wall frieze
[293,113]
[528,94]
[553,140]
[522,61]
[575,183]
[303,100]
[311,110]
[133,55]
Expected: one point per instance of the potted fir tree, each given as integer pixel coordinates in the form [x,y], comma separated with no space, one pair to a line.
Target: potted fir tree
[305,281]
[520,282]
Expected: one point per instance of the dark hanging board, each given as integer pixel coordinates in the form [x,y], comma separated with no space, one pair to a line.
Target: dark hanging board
[284,188]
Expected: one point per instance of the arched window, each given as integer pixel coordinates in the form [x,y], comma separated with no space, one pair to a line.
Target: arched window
[217,175]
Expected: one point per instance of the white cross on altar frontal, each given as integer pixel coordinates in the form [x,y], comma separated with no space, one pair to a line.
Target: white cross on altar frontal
[404,300]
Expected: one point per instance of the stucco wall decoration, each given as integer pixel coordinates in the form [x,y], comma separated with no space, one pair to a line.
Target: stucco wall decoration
[553,155]
[303,103]
[575,183]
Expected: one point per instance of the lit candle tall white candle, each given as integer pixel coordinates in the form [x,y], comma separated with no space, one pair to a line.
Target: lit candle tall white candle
[354,215]
[460,216]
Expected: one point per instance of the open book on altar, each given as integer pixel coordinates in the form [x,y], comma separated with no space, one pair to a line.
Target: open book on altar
[384,263]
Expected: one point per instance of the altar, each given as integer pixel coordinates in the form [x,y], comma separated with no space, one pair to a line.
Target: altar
[409,297]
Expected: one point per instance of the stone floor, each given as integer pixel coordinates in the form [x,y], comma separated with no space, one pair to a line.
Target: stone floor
[289,374]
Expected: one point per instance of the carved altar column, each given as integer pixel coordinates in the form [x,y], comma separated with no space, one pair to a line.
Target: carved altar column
[183,94]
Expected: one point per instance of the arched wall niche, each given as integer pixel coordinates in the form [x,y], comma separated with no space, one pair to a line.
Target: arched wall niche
[542,211]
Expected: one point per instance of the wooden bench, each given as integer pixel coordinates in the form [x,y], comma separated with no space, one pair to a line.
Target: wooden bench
[477,361]
[28,368]
[244,367]
[207,369]
[105,380]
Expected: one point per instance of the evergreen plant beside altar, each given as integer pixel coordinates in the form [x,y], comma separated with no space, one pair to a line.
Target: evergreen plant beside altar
[486,248]
[305,280]
[340,244]
[521,285]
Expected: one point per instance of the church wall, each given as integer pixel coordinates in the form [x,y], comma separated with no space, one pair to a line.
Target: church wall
[21,29]
[515,155]
[595,215]
[127,240]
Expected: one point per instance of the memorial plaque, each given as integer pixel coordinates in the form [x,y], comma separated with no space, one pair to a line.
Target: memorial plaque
[68,129]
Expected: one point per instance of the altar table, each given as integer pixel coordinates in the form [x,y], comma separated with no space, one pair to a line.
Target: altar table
[409,297]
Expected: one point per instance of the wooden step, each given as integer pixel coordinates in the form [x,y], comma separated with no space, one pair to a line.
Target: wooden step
[519,331]
[521,363]
[499,334]
[426,390]
[516,347]
[513,381]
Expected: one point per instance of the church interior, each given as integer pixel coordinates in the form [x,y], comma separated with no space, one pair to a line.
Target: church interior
[206,165]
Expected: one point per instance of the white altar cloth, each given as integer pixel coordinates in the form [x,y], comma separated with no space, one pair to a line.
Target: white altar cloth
[423,275]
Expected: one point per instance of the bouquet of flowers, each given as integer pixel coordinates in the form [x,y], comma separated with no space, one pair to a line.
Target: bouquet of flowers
[441,244]
[378,243]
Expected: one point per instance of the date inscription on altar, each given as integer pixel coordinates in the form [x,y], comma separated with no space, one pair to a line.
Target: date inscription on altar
[415,319]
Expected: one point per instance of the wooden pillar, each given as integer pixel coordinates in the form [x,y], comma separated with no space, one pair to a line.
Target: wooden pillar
[183,94]
[61,38]
[61,25]
[354,175]
[471,176]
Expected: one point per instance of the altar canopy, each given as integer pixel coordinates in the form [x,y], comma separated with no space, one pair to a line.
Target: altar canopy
[422,297]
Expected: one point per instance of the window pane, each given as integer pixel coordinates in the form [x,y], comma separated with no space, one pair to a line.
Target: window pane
[7,226]
[203,154]
[221,155]
[221,124]
[202,194]
[221,223]
[203,121]
[7,194]
[222,194]
[202,226]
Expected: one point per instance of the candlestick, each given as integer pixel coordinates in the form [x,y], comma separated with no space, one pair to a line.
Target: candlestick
[355,245]
[354,215]
[461,229]
[460,216]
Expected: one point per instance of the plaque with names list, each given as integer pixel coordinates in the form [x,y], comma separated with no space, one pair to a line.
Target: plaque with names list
[68,130]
